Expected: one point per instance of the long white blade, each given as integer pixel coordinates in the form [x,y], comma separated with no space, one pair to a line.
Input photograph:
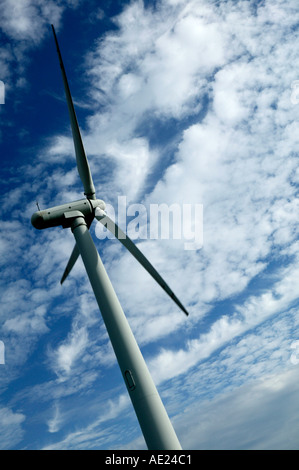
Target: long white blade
[82,162]
[73,258]
[74,255]
[138,255]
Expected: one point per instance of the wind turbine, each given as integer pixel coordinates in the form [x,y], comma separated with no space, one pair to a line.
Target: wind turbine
[155,424]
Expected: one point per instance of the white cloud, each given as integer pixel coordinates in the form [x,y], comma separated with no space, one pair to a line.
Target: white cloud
[27,19]
[10,427]
[255,310]
[70,351]
[25,24]
[99,429]
[26,324]
[260,415]
[55,422]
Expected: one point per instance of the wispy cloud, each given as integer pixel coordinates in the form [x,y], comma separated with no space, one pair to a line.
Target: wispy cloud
[259,415]
[70,351]
[55,422]
[252,313]
[11,427]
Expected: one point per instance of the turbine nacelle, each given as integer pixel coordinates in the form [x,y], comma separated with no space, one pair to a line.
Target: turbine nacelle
[61,215]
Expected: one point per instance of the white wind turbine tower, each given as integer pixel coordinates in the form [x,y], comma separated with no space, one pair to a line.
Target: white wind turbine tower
[155,424]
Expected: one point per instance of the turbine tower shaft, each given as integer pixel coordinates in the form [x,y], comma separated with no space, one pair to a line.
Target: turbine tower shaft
[155,424]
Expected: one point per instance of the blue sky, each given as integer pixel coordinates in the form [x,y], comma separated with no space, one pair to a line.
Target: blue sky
[179,102]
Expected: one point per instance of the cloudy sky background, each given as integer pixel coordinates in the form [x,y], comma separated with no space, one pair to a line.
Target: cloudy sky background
[179,102]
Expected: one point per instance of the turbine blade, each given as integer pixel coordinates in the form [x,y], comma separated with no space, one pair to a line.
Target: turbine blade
[138,255]
[82,162]
[73,258]
[74,255]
